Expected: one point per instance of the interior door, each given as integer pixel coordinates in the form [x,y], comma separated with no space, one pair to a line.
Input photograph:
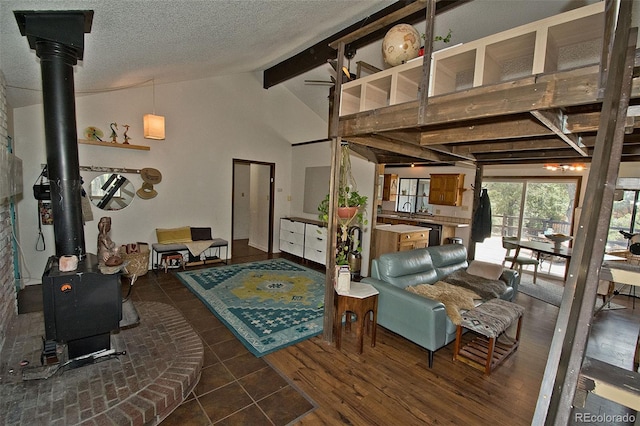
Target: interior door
[252,203]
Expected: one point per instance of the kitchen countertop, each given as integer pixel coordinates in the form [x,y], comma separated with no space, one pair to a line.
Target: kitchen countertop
[425,219]
[400,228]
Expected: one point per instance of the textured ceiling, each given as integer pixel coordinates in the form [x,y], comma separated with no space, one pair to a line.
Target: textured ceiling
[134,41]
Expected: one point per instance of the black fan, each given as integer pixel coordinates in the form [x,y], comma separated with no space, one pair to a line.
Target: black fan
[634,239]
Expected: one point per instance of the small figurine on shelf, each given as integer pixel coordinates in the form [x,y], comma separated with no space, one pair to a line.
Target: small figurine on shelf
[126,137]
[114,135]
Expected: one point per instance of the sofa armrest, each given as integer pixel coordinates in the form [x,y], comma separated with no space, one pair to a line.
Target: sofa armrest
[415,317]
[512,278]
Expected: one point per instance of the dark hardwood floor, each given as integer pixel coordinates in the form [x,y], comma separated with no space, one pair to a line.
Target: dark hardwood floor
[388,384]
[392,384]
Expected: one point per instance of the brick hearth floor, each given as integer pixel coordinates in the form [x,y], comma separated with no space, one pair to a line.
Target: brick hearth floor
[178,342]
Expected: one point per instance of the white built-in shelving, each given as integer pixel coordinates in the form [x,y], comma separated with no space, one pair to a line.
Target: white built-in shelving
[569,40]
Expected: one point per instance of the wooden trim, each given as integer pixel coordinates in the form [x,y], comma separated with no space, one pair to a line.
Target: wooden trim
[113,145]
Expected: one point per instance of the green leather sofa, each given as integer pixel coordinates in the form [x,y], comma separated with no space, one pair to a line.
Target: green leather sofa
[417,318]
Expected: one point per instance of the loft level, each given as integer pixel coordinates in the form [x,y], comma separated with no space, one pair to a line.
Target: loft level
[562,42]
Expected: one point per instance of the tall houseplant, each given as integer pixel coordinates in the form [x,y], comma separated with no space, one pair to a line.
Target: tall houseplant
[351,207]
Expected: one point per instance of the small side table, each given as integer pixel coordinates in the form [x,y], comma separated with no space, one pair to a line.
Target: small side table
[359,300]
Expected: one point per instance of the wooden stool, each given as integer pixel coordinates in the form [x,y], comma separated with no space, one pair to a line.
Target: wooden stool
[360,303]
[489,320]
[168,257]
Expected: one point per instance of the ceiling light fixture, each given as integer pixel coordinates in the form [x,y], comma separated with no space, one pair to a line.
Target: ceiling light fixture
[565,167]
[154,124]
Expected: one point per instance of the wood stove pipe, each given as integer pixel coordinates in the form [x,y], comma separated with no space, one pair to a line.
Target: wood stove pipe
[58,39]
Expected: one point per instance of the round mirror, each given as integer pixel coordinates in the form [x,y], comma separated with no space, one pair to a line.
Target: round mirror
[111,191]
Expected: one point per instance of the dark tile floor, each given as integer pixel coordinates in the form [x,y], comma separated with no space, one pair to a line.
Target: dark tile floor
[235,388]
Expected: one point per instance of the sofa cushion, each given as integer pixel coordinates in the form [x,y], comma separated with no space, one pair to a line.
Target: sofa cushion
[487,289]
[406,268]
[200,234]
[490,271]
[448,258]
[173,235]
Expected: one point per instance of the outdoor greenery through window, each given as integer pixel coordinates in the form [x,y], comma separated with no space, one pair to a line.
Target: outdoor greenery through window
[527,208]
[624,216]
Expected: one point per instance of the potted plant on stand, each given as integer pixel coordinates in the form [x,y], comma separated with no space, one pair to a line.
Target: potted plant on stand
[351,210]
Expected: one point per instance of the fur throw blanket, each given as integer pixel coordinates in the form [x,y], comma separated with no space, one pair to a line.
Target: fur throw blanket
[487,289]
[453,298]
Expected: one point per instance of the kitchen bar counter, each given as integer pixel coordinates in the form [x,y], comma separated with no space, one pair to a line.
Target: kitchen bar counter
[443,228]
[436,220]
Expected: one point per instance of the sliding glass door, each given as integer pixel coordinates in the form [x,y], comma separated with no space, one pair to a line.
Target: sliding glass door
[527,208]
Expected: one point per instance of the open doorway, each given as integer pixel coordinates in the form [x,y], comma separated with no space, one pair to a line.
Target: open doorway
[252,207]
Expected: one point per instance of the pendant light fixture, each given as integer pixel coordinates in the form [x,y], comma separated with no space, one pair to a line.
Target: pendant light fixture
[154,124]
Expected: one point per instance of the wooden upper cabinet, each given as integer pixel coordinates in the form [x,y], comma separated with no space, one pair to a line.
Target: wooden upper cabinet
[390,187]
[446,189]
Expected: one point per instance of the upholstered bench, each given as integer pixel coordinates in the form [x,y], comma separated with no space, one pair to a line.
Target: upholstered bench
[489,321]
[194,241]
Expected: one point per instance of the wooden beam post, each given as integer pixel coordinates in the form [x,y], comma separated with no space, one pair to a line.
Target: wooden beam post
[571,334]
[477,189]
[332,225]
[423,91]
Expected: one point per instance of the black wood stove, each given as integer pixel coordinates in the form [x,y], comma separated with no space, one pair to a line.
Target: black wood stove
[81,307]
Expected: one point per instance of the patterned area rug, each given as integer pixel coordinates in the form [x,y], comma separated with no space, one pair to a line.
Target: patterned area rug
[268,305]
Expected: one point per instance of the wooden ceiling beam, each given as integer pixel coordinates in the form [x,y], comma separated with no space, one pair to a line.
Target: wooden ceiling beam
[318,54]
[506,146]
[365,152]
[512,128]
[414,139]
[397,147]
[556,122]
[482,131]
[577,87]
[542,155]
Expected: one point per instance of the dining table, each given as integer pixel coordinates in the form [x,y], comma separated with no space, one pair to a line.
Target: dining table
[543,247]
[548,248]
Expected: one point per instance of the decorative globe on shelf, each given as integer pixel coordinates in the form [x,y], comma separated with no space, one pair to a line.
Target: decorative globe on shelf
[401,44]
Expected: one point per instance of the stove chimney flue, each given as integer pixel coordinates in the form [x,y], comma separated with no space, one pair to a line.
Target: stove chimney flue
[58,39]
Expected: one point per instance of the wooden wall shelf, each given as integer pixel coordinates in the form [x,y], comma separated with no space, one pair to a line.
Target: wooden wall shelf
[114,145]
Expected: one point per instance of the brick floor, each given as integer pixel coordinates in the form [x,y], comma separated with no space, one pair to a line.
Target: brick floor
[162,365]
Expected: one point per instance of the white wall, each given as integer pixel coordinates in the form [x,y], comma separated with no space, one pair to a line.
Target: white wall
[319,154]
[209,122]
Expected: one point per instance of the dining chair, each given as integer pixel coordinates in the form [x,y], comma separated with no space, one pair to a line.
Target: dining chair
[510,243]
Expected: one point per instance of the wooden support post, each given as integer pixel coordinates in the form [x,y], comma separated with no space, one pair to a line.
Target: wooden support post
[423,92]
[571,334]
[477,189]
[332,225]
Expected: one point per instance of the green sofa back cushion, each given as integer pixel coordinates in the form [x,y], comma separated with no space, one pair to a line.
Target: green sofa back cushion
[406,268]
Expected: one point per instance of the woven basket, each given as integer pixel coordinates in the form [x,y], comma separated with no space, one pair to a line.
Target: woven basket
[136,264]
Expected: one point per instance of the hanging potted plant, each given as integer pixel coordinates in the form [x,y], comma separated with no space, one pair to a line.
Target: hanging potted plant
[351,207]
